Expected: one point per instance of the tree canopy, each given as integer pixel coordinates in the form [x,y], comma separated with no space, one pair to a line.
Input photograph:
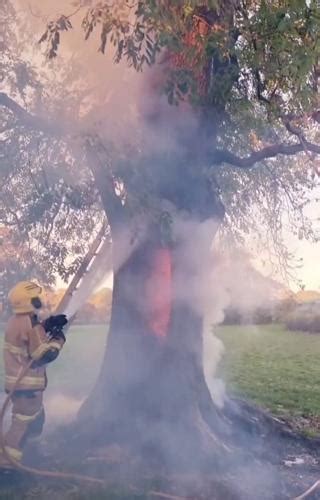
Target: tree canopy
[259,60]
[246,71]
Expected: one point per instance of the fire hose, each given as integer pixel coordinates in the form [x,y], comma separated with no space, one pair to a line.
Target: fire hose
[309,492]
[31,470]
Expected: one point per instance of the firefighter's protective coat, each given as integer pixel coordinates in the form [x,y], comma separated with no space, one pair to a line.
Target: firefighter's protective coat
[26,340]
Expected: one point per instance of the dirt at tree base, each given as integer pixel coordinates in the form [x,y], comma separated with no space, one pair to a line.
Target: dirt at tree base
[260,481]
[269,461]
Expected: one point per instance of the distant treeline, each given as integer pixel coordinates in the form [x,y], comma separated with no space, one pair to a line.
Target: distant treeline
[290,312]
[297,312]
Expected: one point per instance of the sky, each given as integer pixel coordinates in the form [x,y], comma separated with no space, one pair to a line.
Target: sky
[306,273]
[309,273]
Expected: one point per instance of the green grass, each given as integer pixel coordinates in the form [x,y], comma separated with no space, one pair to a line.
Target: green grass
[275,368]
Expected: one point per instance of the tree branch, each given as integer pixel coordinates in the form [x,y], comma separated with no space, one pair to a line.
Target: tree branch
[16,109]
[27,119]
[223,156]
[104,182]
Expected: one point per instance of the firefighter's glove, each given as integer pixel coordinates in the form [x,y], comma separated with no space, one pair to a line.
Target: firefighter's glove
[58,335]
[54,326]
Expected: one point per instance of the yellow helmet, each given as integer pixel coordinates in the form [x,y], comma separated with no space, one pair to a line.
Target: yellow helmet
[22,297]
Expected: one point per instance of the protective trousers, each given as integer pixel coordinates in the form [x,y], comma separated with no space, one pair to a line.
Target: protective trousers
[27,421]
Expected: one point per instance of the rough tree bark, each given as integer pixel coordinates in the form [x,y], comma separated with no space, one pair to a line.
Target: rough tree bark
[151,394]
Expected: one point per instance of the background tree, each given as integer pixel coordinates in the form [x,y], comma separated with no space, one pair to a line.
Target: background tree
[241,82]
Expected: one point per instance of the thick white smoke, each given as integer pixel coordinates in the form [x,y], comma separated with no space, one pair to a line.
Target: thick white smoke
[60,409]
[210,282]
[197,286]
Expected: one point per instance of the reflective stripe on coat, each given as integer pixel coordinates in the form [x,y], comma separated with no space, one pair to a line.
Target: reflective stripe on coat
[24,342]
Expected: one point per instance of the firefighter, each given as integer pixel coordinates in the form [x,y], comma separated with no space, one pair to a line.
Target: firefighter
[27,339]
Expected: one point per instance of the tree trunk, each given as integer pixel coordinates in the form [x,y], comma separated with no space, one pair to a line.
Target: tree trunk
[151,393]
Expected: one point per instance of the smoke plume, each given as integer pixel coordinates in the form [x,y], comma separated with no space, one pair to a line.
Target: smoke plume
[96,274]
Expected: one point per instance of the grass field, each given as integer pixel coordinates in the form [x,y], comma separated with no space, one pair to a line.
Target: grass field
[277,369]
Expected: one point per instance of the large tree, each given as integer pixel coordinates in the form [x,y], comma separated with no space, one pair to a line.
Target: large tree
[228,131]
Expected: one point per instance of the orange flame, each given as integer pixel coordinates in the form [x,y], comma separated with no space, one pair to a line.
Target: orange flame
[159,293]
